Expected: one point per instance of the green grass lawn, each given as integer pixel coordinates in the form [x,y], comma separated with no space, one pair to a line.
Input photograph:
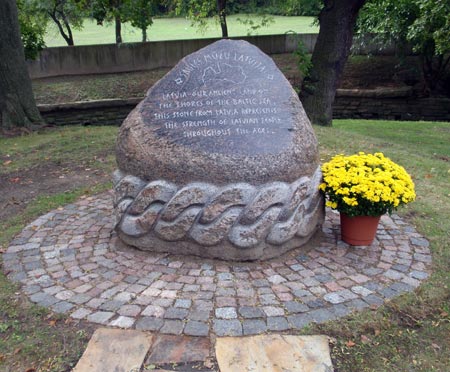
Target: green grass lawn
[176,28]
[409,333]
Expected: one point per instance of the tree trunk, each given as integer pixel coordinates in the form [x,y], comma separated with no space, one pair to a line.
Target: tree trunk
[337,21]
[66,36]
[221,4]
[17,105]
[144,34]
[69,30]
[433,70]
[118,29]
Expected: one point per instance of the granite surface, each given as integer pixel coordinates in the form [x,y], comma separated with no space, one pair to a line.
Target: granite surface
[219,160]
[226,114]
[234,222]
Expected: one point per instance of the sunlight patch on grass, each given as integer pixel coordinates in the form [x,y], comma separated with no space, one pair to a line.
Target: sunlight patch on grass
[410,332]
[63,145]
[177,29]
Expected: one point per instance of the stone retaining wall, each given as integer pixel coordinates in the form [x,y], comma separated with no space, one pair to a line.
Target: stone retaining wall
[101,112]
[128,57]
[389,104]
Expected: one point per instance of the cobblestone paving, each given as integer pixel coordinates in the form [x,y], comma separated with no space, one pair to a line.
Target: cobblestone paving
[70,261]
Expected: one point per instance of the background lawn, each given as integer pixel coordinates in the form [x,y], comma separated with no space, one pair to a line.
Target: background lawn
[177,28]
[408,333]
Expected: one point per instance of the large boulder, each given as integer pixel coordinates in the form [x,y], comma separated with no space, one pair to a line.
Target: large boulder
[219,160]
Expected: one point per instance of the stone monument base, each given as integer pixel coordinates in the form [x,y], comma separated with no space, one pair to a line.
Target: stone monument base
[219,160]
[237,221]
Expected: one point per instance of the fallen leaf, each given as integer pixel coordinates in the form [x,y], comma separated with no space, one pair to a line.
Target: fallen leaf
[52,323]
[436,346]
[14,180]
[7,162]
[350,343]
[377,332]
[365,339]
[30,370]
[428,176]
[209,363]
[17,351]
[444,314]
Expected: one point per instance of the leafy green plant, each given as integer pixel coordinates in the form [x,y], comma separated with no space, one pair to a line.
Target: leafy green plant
[304,63]
[292,7]
[140,14]
[32,29]
[253,24]
[68,15]
[198,11]
[424,25]
[303,7]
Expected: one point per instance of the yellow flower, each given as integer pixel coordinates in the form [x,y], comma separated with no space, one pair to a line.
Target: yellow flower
[363,181]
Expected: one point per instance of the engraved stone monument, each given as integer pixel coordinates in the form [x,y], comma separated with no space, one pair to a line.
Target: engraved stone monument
[219,160]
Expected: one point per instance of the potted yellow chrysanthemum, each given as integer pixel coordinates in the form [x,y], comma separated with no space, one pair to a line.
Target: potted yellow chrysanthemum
[363,187]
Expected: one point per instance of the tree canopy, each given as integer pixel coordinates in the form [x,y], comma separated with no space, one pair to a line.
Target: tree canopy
[66,14]
[423,25]
[32,29]
[140,14]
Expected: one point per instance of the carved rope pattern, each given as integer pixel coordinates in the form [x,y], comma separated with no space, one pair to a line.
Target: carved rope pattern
[246,215]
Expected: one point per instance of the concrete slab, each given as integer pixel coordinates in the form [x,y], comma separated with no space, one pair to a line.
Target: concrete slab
[114,350]
[178,349]
[274,353]
[185,367]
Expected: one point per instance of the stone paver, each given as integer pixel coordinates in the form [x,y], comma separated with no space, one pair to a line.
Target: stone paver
[196,328]
[254,326]
[71,261]
[277,323]
[226,313]
[178,349]
[149,324]
[173,327]
[227,327]
[114,350]
[274,353]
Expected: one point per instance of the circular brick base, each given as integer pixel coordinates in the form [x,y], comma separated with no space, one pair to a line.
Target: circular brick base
[71,261]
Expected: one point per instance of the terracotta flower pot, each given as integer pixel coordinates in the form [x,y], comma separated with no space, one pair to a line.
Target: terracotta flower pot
[359,230]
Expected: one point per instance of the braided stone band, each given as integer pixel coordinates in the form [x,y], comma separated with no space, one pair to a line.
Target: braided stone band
[236,221]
